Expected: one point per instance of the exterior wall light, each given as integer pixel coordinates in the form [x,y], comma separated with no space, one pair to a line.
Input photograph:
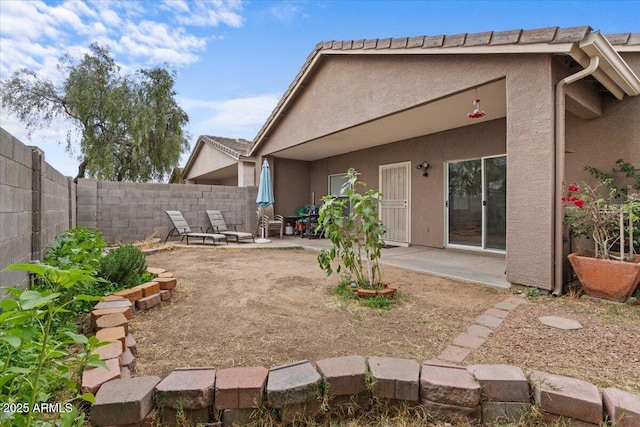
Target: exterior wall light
[424,166]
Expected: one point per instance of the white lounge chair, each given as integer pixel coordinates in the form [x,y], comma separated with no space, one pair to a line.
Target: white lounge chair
[219,226]
[181,228]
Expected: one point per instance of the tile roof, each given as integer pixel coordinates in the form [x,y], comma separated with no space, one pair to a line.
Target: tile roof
[234,146]
[489,38]
[421,44]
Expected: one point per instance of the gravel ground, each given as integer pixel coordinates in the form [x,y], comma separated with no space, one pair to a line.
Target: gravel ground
[267,307]
[605,352]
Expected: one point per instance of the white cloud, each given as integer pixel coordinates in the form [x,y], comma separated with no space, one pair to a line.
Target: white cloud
[159,43]
[175,5]
[52,141]
[239,117]
[287,11]
[25,21]
[140,34]
[212,14]
[110,18]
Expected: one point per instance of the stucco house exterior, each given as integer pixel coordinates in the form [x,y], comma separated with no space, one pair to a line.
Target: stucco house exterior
[556,99]
[220,161]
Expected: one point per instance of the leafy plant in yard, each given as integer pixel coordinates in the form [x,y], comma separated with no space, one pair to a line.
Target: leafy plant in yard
[79,248]
[356,236]
[379,301]
[125,266]
[76,248]
[604,219]
[619,192]
[37,367]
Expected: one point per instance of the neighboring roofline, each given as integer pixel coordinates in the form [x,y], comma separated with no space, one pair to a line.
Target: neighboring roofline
[206,139]
[577,42]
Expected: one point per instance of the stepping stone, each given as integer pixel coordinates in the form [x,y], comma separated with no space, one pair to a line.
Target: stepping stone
[165,274]
[124,401]
[508,306]
[489,321]
[623,407]
[112,321]
[187,388]
[560,322]
[345,376]
[395,378]
[516,300]
[468,341]
[94,378]
[113,350]
[454,354]
[501,383]
[449,385]
[480,331]
[293,384]
[240,388]
[497,313]
[567,397]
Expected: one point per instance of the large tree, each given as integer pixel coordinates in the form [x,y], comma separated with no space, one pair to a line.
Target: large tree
[129,127]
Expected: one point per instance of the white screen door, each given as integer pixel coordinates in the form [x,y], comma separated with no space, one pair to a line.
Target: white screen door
[395,186]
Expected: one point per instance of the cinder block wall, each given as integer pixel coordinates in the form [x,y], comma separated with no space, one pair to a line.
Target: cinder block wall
[36,203]
[127,212]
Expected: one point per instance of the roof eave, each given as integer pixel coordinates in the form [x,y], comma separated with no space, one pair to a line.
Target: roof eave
[192,157]
[613,72]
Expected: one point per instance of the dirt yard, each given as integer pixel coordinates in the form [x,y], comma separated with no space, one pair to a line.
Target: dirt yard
[236,307]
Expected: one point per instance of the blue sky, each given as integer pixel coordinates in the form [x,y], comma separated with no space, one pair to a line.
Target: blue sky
[234,59]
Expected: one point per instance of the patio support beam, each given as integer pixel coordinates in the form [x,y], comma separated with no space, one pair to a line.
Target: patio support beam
[559,166]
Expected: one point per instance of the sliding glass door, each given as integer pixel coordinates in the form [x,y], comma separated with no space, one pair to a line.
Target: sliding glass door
[476,203]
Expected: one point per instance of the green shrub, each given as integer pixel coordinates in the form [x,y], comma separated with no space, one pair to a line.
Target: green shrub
[76,248]
[125,266]
[37,366]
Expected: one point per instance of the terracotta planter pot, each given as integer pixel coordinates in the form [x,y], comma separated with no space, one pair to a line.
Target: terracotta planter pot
[604,278]
[388,292]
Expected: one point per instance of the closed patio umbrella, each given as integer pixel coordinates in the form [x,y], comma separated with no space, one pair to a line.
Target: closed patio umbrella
[265,194]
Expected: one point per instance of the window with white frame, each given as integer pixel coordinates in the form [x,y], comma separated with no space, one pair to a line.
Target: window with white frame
[336,182]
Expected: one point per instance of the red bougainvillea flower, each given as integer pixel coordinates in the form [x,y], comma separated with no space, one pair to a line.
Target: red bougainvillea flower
[573,188]
[579,203]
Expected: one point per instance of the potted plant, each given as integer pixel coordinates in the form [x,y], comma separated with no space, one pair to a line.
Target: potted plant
[603,272]
[350,220]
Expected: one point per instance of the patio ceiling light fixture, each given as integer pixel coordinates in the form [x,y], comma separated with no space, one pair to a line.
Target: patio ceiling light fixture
[477,113]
